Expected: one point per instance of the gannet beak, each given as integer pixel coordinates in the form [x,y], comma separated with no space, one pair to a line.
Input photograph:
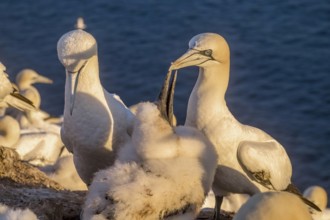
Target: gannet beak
[43,79]
[73,78]
[165,98]
[191,58]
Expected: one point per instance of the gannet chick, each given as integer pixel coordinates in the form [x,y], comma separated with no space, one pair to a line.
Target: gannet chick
[96,123]
[273,206]
[7,213]
[9,96]
[80,23]
[250,160]
[169,181]
[319,196]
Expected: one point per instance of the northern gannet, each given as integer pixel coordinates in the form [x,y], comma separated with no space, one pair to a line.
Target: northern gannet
[169,180]
[250,160]
[9,131]
[96,123]
[273,206]
[39,147]
[318,195]
[80,24]
[24,81]
[9,96]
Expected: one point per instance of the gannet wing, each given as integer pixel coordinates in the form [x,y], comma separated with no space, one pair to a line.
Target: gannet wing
[266,163]
[19,101]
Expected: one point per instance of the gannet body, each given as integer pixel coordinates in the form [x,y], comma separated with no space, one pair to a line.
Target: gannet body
[169,180]
[96,123]
[318,195]
[8,213]
[250,160]
[39,147]
[273,206]
[9,96]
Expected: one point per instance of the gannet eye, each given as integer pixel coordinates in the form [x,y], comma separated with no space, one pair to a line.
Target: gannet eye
[208,52]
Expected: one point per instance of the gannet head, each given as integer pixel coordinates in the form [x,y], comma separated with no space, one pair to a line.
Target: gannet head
[27,77]
[74,49]
[204,50]
[317,195]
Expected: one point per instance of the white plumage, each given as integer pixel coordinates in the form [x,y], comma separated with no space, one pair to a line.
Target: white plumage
[7,213]
[96,123]
[250,160]
[273,206]
[9,96]
[318,195]
[169,180]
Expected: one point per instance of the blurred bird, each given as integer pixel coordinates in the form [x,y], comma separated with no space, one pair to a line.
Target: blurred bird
[9,96]
[318,195]
[273,206]
[80,24]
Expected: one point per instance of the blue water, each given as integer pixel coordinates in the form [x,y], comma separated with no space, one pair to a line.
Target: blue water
[280,67]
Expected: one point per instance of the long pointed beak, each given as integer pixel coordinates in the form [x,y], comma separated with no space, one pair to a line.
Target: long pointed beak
[73,78]
[43,79]
[165,98]
[73,83]
[190,58]
[162,97]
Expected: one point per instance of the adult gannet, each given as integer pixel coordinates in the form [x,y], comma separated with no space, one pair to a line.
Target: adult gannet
[96,123]
[318,195]
[24,81]
[273,206]
[80,24]
[169,180]
[9,96]
[250,160]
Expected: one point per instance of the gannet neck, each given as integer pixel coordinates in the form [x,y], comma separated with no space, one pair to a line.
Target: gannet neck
[89,80]
[208,95]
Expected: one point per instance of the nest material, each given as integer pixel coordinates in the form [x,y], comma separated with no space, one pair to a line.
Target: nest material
[24,186]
